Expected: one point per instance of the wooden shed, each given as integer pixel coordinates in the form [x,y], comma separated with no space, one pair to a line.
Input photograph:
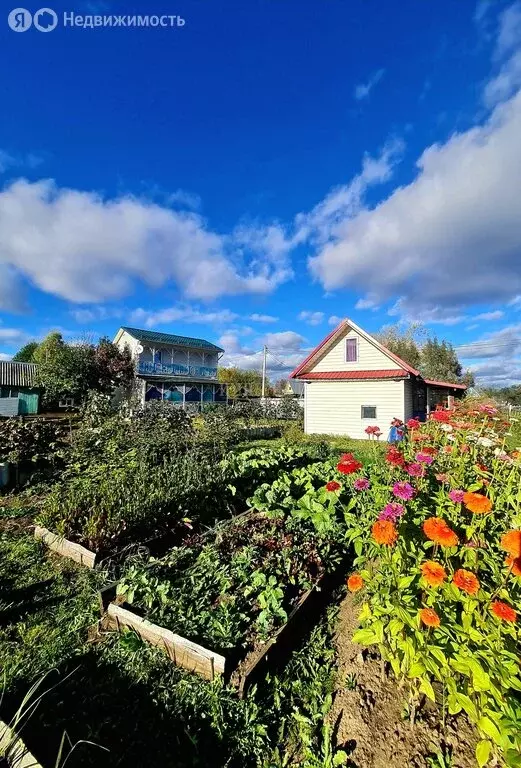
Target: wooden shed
[18,394]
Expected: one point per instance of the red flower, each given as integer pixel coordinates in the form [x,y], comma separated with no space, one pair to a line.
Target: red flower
[441,416]
[348,464]
[395,457]
[333,486]
[503,611]
[413,423]
[466,581]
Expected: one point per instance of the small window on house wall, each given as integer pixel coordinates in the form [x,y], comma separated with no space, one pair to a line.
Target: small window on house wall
[351,350]
[369,411]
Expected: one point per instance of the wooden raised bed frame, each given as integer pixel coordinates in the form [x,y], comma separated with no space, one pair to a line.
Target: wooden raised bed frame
[66,548]
[193,657]
[19,754]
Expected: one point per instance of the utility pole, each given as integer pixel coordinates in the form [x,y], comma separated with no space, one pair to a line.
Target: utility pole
[264,352]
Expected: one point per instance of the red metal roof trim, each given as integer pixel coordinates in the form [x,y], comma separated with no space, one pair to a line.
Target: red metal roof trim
[379,374]
[448,384]
[303,364]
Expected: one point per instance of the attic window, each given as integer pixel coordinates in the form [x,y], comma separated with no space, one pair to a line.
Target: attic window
[351,350]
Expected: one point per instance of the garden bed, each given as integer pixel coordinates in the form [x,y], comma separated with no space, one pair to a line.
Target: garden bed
[234,605]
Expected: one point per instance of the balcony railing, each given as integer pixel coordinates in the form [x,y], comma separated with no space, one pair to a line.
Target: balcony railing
[175,369]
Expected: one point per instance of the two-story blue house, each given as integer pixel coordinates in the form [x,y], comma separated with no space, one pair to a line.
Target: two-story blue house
[174,368]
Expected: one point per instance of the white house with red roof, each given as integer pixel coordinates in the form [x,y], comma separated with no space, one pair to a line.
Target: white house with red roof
[351,382]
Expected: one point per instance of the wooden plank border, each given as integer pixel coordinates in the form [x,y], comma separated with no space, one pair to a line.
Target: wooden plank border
[19,755]
[181,651]
[66,548]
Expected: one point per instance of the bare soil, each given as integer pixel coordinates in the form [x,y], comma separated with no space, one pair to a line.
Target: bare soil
[370,715]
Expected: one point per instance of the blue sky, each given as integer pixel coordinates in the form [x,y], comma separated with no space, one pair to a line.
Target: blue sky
[268,167]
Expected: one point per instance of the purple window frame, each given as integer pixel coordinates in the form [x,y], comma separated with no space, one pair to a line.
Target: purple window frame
[352,350]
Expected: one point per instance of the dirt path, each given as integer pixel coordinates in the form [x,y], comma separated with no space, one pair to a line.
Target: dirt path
[368,713]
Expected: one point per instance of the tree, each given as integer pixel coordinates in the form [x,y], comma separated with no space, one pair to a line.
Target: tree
[434,359]
[242,382]
[440,361]
[403,342]
[26,353]
[73,370]
[280,387]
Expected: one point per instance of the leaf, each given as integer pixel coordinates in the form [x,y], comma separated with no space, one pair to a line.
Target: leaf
[468,705]
[427,689]
[486,725]
[417,670]
[453,704]
[483,752]
[365,637]
[340,758]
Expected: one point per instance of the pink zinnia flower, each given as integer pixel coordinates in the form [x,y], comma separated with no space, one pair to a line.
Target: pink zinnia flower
[391,511]
[456,496]
[362,484]
[415,470]
[424,458]
[404,490]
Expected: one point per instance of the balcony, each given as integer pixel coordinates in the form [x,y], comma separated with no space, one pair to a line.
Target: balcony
[175,369]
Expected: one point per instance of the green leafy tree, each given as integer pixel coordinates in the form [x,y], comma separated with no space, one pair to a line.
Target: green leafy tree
[26,353]
[440,361]
[403,342]
[74,370]
[242,382]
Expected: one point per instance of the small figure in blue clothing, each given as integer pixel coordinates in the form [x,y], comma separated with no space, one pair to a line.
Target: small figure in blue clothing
[396,432]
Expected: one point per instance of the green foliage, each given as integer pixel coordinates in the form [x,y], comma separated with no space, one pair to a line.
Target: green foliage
[35,442]
[72,370]
[26,353]
[405,343]
[240,381]
[440,361]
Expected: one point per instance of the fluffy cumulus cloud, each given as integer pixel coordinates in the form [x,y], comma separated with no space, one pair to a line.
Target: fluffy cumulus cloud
[451,237]
[82,248]
[286,350]
[311,318]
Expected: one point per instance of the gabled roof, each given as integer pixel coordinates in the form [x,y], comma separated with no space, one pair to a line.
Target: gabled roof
[393,373]
[169,338]
[16,374]
[332,337]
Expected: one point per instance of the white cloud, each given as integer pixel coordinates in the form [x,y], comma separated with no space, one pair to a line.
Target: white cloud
[495,315]
[5,356]
[367,303]
[11,335]
[152,318]
[8,160]
[335,320]
[83,248]
[507,56]
[452,236]
[363,90]
[505,344]
[311,318]
[285,352]
[11,295]
[96,314]
[437,315]
[263,318]
[184,199]
[342,203]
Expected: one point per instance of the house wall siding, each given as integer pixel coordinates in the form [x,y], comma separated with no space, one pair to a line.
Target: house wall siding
[369,357]
[408,401]
[334,407]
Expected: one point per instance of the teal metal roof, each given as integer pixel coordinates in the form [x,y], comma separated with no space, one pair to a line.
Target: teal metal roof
[170,338]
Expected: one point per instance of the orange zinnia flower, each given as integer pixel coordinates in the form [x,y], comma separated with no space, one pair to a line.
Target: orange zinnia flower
[466,581]
[514,563]
[384,532]
[355,582]
[503,611]
[429,617]
[477,503]
[438,531]
[433,573]
[511,542]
